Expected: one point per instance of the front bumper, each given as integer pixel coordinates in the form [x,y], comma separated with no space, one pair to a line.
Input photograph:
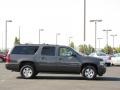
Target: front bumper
[101,70]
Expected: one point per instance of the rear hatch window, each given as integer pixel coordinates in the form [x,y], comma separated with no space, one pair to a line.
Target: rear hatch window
[27,50]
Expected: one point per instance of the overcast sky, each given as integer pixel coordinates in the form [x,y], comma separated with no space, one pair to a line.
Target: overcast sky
[58,16]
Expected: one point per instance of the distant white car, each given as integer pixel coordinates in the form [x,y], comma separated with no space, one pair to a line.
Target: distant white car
[105,57]
[115,60]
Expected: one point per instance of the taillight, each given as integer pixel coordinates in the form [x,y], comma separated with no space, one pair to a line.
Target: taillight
[8,58]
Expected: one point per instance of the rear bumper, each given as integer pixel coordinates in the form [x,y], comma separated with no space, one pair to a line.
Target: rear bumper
[101,70]
[12,67]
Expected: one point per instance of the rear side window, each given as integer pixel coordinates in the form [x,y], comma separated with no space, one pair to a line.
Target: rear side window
[48,51]
[28,50]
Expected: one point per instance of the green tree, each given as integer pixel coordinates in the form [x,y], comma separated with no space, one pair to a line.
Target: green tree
[117,50]
[107,50]
[17,41]
[86,49]
[72,45]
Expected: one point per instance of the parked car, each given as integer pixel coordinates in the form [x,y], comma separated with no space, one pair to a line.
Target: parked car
[2,57]
[31,59]
[105,57]
[115,59]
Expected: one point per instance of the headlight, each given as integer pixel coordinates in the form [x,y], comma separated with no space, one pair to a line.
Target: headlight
[102,63]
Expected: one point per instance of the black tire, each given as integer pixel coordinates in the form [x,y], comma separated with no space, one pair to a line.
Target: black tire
[89,72]
[27,71]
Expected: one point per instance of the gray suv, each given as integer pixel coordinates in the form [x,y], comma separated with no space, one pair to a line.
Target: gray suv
[30,59]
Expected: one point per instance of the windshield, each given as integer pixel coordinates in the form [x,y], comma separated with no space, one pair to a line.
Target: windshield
[117,55]
[101,54]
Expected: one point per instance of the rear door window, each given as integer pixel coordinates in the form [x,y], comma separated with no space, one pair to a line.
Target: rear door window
[48,51]
[25,50]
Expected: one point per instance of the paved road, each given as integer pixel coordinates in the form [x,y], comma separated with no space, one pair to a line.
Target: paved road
[12,81]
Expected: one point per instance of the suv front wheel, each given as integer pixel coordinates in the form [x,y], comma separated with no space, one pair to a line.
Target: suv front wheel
[27,71]
[89,72]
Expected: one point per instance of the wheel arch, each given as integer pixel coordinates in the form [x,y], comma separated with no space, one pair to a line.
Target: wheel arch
[89,64]
[26,62]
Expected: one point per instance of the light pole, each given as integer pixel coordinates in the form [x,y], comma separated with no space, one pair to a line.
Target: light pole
[19,34]
[99,42]
[2,41]
[6,33]
[84,20]
[107,35]
[39,34]
[57,37]
[95,21]
[70,40]
[113,35]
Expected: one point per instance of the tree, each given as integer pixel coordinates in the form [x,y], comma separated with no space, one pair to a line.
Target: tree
[107,50]
[117,50]
[72,45]
[86,49]
[17,41]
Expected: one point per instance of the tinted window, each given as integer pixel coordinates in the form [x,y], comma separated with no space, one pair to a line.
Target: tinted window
[25,50]
[49,51]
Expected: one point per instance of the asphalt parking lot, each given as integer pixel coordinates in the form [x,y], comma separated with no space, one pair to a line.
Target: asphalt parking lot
[12,81]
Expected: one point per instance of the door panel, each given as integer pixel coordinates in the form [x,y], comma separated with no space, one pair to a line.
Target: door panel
[48,59]
[69,65]
[48,63]
[68,61]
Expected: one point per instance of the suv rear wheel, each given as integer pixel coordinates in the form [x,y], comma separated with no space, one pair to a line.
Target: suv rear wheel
[27,71]
[89,72]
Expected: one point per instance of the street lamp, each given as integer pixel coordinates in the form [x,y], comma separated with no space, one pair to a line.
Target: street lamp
[2,41]
[107,35]
[19,34]
[70,40]
[6,33]
[95,21]
[113,35]
[57,34]
[99,42]
[39,34]
[84,20]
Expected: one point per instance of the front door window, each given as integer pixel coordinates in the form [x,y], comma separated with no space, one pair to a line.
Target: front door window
[63,51]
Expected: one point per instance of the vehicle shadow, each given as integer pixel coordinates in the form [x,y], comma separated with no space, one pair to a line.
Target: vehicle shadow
[116,66]
[107,79]
[72,78]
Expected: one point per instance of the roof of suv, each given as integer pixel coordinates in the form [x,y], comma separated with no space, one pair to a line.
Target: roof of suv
[39,45]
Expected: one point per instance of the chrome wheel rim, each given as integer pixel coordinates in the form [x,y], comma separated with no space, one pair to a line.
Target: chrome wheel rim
[27,72]
[89,73]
